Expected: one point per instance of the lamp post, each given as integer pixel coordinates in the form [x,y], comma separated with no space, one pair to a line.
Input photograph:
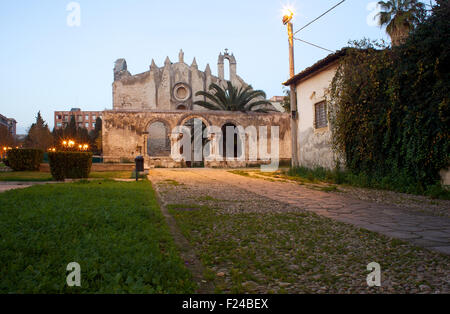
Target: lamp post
[287,20]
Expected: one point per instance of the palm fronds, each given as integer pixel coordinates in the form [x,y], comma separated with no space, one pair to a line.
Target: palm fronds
[231,98]
[400,17]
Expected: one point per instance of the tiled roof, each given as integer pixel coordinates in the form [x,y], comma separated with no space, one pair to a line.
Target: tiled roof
[317,66]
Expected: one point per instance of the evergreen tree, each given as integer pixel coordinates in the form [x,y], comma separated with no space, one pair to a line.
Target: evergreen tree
[71,129]
[39,135]
[96,137]
[6,138]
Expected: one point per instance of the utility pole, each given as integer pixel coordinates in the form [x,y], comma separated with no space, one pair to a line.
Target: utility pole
[293,95]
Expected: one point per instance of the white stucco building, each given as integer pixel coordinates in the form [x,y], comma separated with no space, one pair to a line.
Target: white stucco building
[314,148]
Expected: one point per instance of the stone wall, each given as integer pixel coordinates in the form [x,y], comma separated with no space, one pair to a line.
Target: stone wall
[99,167]
[125,132]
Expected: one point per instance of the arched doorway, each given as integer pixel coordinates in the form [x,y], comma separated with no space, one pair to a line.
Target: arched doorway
[197,128]
[158,144]
[234,143]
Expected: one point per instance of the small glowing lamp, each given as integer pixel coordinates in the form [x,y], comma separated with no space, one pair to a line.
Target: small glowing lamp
[288,14]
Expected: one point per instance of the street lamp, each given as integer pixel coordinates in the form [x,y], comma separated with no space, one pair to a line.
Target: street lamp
[287,15]
[287,20]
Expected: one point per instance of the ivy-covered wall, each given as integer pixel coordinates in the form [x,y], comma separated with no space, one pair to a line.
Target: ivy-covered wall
[390,107]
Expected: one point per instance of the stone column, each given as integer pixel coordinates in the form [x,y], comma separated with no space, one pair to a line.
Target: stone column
[175,146]
[145,145]
[214,148]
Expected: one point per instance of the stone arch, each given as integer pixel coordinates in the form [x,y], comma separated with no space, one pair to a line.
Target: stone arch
[230,121]
[232,65]
[158,138]
[231,58]
[187,117]
[166,122]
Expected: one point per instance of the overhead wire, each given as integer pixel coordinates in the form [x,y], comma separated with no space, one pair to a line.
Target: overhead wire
[314,45]
[323,14]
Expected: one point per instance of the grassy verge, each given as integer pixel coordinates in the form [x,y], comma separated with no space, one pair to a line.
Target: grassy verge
[299,252]
[115,231]
[361,180]
[304,175]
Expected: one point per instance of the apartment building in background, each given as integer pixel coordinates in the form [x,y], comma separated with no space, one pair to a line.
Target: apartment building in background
[84,119]
[9,123]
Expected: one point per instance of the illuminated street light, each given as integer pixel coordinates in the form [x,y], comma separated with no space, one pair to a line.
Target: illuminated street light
[288,14]
[287,20]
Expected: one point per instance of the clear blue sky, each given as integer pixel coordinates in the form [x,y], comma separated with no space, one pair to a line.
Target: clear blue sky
[47,65]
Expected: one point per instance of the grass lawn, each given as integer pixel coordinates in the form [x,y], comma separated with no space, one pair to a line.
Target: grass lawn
[114,230]
[36,176]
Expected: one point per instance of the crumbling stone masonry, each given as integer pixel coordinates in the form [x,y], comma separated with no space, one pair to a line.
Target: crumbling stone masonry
[148,106]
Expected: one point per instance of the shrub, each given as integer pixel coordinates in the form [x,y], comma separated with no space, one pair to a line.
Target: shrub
[5,162]
[24,159]
[438,191]
[364,180]
[70,165]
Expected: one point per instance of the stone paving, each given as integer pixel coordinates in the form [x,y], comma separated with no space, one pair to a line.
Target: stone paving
[6,186]
[10,185]
[421,229]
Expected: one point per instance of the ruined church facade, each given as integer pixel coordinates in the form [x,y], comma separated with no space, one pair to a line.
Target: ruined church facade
[171,87]
[148,106]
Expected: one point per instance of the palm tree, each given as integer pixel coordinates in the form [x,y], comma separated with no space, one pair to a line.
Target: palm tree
[400,17]
[230,98]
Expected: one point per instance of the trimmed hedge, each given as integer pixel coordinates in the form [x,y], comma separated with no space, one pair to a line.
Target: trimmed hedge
[5,162]
[70,165]
[24,159]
